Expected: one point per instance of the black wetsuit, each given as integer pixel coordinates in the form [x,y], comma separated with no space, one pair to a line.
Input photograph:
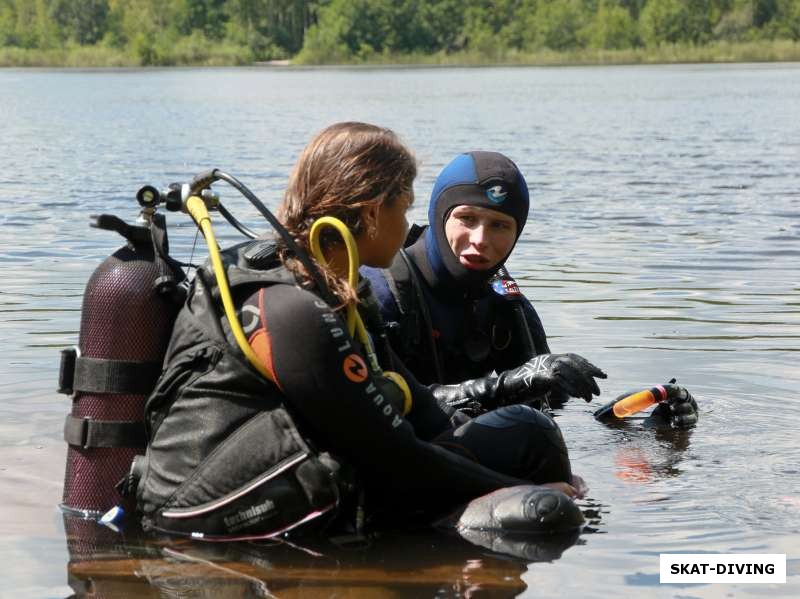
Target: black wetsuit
[233,455]
[323,375]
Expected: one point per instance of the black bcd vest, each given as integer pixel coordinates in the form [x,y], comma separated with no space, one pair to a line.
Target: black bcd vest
[226,458]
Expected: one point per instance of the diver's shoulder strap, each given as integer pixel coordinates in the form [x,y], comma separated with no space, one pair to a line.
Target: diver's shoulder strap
[414,233]
[403,282]
[416,314]
[519,310]
[398,278]
[400,281]
[253,262]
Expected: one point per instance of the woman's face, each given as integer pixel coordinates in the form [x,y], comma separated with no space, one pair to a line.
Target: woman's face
[479,237]
[389,222]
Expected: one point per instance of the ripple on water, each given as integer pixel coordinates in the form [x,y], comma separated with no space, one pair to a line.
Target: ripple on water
[661,244]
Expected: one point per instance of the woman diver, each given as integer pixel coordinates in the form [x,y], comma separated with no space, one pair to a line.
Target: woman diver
[318,434]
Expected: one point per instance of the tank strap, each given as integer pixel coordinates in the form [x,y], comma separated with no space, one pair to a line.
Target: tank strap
[96,375]
[86,433]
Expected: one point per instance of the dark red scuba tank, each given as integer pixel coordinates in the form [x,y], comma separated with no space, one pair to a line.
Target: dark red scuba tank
[129,307]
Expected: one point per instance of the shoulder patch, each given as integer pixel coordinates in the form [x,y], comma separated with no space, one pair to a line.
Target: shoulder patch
[505,287]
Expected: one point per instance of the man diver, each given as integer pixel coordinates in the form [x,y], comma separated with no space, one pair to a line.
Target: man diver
[449,323]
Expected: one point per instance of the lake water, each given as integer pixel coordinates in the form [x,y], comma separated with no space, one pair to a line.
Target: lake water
[664,242]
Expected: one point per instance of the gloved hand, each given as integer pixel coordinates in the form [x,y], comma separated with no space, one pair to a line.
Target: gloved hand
[565,373]
[678,411]
[561,374]
[473,397]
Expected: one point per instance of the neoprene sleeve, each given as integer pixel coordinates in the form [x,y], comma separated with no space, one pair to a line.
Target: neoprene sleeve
[325,381]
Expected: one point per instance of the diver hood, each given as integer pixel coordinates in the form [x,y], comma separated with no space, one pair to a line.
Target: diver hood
[484,179]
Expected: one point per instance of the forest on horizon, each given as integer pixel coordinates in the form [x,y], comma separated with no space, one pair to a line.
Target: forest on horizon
[179,32]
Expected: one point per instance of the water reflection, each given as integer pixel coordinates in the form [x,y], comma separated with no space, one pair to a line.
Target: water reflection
[638,461]
[103,563]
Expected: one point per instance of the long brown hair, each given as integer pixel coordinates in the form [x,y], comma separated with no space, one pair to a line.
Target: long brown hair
[345,167]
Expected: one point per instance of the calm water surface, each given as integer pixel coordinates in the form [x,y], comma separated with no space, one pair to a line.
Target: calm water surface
[664,242]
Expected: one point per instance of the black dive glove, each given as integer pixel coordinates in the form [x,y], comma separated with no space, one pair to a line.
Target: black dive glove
[470,397]
[678,411]
[565,373]
[559,374]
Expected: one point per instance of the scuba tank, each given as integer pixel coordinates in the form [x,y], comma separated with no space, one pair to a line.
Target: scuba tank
[129,306]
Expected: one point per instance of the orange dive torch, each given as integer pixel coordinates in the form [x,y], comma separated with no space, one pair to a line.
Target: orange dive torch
[628,404]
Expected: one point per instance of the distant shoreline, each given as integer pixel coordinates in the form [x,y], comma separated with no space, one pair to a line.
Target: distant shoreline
[717,52]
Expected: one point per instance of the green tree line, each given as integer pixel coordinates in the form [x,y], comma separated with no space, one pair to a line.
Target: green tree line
[151,32]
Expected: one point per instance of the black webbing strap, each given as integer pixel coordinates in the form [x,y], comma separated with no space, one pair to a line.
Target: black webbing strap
[427,321]
[170,273]
[95,375]
[86,433]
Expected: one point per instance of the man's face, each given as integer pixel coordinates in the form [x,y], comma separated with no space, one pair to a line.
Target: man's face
[479,237]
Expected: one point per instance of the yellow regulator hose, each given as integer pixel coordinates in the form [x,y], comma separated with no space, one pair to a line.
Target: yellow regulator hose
[355,326]
[352,265]
[196,208]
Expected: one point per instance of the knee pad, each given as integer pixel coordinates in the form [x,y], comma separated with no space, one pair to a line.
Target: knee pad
[516,440]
